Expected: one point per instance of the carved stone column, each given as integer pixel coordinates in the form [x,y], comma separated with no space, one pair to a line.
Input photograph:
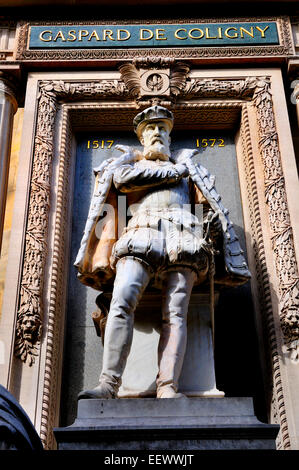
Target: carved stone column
[8,107]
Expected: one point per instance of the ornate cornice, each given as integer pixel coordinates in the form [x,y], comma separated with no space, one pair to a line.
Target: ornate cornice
[207,88]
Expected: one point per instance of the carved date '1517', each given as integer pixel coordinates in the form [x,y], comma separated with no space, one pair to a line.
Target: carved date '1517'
[103,144]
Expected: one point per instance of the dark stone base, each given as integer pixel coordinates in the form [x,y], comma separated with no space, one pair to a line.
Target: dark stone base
[167,424]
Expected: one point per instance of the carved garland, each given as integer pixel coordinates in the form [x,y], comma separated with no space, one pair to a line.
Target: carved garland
[30,308]
[279,218]
[29,321]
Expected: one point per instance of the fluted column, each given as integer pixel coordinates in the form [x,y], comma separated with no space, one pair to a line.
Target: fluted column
[8,107]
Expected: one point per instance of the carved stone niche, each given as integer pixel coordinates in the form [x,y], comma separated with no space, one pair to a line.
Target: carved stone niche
[40,234]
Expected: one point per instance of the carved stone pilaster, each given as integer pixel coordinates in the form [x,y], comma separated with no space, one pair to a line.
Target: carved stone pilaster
[275,395]
[29,321]
[279,218]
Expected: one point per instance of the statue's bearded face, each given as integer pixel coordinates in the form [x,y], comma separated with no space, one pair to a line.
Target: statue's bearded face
[155,139]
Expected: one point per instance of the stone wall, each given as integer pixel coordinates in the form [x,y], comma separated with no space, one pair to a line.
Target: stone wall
[13,170]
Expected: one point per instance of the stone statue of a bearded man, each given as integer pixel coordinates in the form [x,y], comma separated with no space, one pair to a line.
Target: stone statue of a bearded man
[164,243]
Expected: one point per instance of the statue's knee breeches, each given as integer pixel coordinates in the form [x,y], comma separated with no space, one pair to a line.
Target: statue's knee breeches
[132,277]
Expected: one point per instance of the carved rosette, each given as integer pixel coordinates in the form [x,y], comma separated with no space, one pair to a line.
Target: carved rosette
[279,219]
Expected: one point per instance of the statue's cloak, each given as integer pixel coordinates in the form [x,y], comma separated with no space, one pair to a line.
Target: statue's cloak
[100,234]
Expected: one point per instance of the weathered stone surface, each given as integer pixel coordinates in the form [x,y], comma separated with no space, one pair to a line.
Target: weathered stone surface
[175,424]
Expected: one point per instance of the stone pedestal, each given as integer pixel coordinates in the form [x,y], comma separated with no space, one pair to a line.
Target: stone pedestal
[166,424]
[198,372]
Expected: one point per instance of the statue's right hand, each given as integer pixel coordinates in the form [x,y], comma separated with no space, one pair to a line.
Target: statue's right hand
[182,169]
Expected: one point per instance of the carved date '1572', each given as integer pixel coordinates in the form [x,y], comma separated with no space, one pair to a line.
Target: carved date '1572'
[103,144]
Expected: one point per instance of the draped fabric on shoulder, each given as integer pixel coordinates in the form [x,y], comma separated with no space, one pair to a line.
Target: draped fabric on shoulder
[100,233]
[93,257]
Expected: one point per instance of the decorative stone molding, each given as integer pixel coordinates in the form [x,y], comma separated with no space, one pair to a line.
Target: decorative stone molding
[285,48]
[206,88]
[280,225]
[29,321]
[273,380]
[57,286]
[30,314]
[226,114]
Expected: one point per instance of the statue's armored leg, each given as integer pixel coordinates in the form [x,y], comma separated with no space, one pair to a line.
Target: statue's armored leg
[173,339]
[131,279]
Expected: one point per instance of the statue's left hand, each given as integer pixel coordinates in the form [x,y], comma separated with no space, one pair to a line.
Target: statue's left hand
[125,149]
[130,154]
[185,155]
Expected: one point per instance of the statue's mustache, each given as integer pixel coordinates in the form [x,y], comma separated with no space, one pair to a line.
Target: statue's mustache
[156,139]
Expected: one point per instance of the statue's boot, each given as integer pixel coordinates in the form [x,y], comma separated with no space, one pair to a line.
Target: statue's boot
[173,339]
[131,279]
[168,391]
[103,390]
